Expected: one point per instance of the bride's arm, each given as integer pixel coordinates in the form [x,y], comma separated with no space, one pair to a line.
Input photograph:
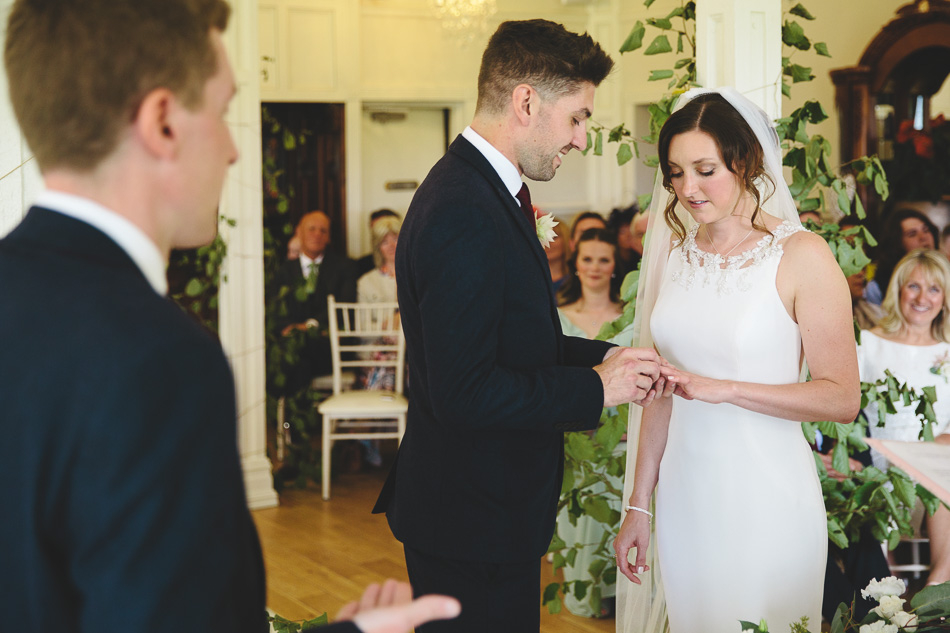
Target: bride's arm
[814,289]
[635,529]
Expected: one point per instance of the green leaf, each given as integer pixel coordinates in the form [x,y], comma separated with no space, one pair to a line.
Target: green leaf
[634,39]
[810,204]
[932,601]
[836,534]
[905,491]
[656,75]
[801,12]
[599,510]
[290,141]
[596,568]
[679,44]
[678,12]
[660,23]
[579,447]
[822,49]
[624,154]
[599,143]
[580,589]
[644,200]
[786,89]
[647,3]
[799,73]
[793,35]
[839,460]
[661,44]
[194,288]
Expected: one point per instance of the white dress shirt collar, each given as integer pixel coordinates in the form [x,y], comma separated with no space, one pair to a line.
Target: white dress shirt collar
[130,238]
[306,261]
[499,162]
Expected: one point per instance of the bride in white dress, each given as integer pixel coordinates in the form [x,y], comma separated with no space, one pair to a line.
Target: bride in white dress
[733,292]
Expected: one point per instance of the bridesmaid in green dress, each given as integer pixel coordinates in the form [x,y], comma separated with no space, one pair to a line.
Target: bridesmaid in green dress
[590,298]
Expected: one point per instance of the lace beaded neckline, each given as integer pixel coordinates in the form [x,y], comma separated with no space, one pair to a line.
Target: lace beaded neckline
[734,273]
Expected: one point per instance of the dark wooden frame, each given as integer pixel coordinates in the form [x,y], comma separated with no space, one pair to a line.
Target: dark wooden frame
[919,25]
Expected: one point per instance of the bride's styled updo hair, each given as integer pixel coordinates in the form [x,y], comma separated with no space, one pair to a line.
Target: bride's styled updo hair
[738,146]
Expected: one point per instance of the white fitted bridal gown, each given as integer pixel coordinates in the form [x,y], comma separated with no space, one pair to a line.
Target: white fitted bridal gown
[740,520]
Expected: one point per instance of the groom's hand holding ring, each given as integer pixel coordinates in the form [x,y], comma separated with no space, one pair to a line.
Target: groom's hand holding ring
[629,375]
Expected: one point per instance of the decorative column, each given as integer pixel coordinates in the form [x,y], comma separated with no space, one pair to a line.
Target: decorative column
[739,44]
[241,299]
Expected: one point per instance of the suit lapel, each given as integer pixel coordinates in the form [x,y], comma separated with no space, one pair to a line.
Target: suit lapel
[471,155]
[465,150]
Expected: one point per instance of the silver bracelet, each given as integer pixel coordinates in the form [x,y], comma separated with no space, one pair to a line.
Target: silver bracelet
[636,509]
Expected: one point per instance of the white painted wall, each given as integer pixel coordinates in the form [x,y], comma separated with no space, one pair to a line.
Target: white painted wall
[357,52]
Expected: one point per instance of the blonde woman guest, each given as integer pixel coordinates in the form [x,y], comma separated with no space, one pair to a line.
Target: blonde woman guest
[557,256]
[913,341]
[379,284]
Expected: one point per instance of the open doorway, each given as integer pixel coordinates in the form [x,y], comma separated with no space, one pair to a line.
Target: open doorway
[304,167]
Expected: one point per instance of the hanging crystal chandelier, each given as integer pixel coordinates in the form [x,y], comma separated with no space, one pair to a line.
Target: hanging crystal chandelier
[464,19]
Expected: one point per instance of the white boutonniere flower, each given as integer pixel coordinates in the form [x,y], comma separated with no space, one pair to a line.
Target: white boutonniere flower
[941,366]
[544,224]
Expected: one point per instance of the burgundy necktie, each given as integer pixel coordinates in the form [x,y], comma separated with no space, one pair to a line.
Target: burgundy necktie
[525,199]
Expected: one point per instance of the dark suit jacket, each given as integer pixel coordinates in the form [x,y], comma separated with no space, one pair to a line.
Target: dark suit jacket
[120,480]
[337,277]
[494,381]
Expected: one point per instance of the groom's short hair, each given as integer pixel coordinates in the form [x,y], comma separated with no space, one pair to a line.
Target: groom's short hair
[78,70]
[542,54]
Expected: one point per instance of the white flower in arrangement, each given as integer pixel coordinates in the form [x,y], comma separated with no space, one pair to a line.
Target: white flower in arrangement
[878,627]
[544,224]
[941,366]
[890,586]
[904,620]
[889,606]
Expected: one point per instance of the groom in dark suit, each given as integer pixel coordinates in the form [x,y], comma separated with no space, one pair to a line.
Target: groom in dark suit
[120,480]
[474,490]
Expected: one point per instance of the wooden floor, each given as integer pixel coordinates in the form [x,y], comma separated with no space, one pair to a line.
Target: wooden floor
[320,555]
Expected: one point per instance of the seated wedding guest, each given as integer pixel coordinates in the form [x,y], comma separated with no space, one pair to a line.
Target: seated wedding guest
[945,240]
[379,286]
[121,481]
[315,275]
[906,229]
[810,216]
[620,222]
[293,248]
[367,262]
[913,342]
[638,231]
[591,295]
[557,256]
[865,313]
[582,222]
[589,299]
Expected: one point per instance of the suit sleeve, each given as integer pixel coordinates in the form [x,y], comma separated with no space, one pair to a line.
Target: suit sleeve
[456,269]
[159,527]
[582,352]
